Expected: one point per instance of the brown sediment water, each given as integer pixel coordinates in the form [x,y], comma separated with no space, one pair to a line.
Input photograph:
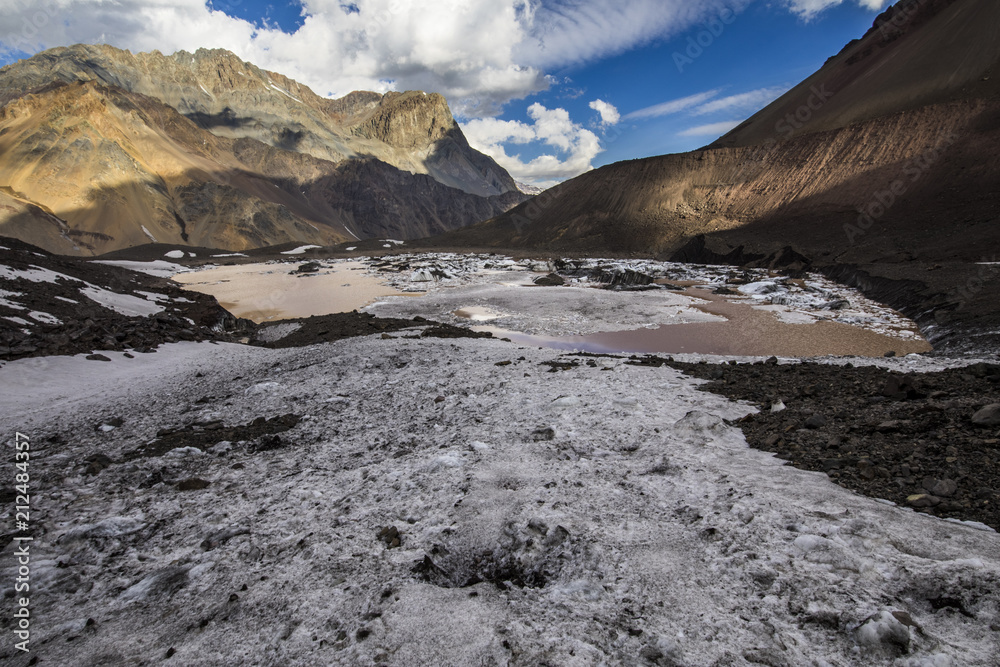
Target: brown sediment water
[266,292]
[747,332]
[477,314]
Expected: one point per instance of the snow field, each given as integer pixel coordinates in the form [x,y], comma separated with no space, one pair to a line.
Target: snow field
[609,513]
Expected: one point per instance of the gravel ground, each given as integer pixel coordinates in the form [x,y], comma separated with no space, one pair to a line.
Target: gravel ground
[909,438]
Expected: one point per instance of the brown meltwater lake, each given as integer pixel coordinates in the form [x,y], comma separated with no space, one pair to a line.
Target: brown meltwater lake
[268,292]
[747,331]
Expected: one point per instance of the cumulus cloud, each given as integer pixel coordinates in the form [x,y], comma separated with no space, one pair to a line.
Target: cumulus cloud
[575,146]
[711,129]
[609,114]
[807,9]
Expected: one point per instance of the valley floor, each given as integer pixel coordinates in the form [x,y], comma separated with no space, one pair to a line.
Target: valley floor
[402,501]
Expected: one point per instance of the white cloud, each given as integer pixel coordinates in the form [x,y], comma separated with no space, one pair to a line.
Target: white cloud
[576,147]
[749,101]
[673,106]
[577,31]
[480,54]
[807,9]
[609,113]
[712,129]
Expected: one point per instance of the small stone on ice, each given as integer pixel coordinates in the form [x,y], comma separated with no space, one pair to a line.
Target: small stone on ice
[883,630]
[922,500]
[566,402]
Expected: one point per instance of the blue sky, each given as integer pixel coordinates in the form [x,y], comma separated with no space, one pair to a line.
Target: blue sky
[549,88]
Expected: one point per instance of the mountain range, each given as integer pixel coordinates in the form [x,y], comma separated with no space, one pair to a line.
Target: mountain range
[103,149]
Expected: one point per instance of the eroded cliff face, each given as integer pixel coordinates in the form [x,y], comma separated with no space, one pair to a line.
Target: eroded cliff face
[120,149]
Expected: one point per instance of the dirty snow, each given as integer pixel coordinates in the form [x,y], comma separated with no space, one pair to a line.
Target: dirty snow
[551,311]
[609,516]
[175,254]
[44,318]
[455,281]
[157,267]
[33,273]
[300,250]
[124,304]
[5,297]
[283,92]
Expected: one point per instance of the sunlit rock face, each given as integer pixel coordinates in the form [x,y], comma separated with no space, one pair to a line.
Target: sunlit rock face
[105,149]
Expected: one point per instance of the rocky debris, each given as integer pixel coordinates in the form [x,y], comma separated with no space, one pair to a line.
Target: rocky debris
[451,331]
[202,436]
[308,267]
[901,388]
[551,280]
[193,484]
[220,537]
[884,632]
[905,438]
[988,416]
[391,536]
[525,557]
[300,332]
[76,323]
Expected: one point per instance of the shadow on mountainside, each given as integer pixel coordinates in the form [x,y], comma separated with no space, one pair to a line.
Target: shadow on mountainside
[237,210]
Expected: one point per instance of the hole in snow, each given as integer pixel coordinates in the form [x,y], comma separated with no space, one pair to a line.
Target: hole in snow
[529,557]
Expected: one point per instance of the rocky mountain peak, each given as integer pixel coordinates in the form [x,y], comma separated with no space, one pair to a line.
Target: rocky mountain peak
[413,120]
[102,149]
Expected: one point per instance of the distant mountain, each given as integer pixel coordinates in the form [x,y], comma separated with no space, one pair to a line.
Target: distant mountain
[102,149]
[886,160]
